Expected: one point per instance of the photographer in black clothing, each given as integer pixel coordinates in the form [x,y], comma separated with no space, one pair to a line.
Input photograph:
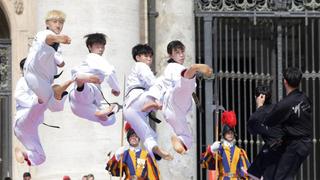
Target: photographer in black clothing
[293,114]
[265,162]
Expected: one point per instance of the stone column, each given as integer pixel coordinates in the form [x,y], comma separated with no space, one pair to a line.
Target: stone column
[176,22]
[20,15]
[80,146]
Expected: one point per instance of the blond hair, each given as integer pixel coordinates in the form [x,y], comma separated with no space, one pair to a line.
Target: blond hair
[55,14]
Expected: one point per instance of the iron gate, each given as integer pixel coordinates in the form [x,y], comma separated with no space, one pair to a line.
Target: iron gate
[250,43]
[5,108]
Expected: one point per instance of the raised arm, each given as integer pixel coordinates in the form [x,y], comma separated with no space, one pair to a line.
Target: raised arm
[59,38]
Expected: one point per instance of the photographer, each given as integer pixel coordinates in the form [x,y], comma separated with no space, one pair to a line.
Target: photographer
[265,162]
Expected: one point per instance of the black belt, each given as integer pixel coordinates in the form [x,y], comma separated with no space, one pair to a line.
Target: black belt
[133,89]
[58,75]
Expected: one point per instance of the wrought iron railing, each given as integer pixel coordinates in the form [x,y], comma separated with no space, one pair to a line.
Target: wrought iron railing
[245,53]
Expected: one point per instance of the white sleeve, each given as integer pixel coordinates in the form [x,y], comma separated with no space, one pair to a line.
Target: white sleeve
[42,36]
[21,95]
[58,57]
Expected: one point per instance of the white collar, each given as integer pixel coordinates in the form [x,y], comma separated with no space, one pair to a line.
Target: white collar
[227,143]
[135,149]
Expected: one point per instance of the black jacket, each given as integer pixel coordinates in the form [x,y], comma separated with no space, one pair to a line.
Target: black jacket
[256,125]
[293,113]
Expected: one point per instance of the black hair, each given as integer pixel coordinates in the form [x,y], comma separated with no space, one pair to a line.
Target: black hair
[26,174]
[93,38]
[140,49]
[90,175]
[293,76]
[22,63]
[265,90]
[176,44]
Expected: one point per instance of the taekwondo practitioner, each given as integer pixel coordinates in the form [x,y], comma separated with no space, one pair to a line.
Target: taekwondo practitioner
[137,163]
[40,70]
[232,160]
[43,59]
[86,97]
[26,125]
[138,82]
[174,89]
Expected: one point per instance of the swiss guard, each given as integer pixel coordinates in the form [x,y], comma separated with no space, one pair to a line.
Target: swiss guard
[136,162]
[232,160]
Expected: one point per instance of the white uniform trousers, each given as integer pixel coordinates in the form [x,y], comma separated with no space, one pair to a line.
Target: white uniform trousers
[177,103]
[85,103]
[139,121]
[42,88]
[26,130]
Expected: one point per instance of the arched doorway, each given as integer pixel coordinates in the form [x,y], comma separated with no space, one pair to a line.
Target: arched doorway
[5,97]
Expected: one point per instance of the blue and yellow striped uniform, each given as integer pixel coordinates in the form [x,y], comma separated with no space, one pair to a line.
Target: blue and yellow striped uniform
[230,162]
[135,163]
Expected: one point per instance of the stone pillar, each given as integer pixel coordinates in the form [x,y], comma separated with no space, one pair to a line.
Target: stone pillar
[20,15]
[80,146]
[176,22]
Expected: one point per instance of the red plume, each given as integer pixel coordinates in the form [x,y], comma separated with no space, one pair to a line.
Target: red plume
[229,118]
[127,127]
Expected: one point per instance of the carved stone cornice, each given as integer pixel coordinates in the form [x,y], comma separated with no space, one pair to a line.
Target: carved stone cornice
[256,5]
[19,6]
[4,69]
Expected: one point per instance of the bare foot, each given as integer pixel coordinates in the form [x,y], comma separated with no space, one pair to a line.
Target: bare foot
[87,78]
[178,145]
[151,105]
[103,114]
[20,155]
[59,89]
[162,153]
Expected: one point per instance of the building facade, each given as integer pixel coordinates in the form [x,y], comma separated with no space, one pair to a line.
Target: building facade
[246,42]
[80,147]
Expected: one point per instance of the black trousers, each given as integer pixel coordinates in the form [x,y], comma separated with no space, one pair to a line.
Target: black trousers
[292,158]
[265,163]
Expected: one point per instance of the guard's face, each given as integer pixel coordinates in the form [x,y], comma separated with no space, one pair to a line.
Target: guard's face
[178,55]
[145,58]
[55,25]
[97,48]
[134,140]
[229,136]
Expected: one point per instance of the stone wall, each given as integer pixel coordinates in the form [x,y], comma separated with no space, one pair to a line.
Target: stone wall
[80,147]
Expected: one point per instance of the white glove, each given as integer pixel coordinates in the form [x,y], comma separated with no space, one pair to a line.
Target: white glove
[120,151]
[215,146]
